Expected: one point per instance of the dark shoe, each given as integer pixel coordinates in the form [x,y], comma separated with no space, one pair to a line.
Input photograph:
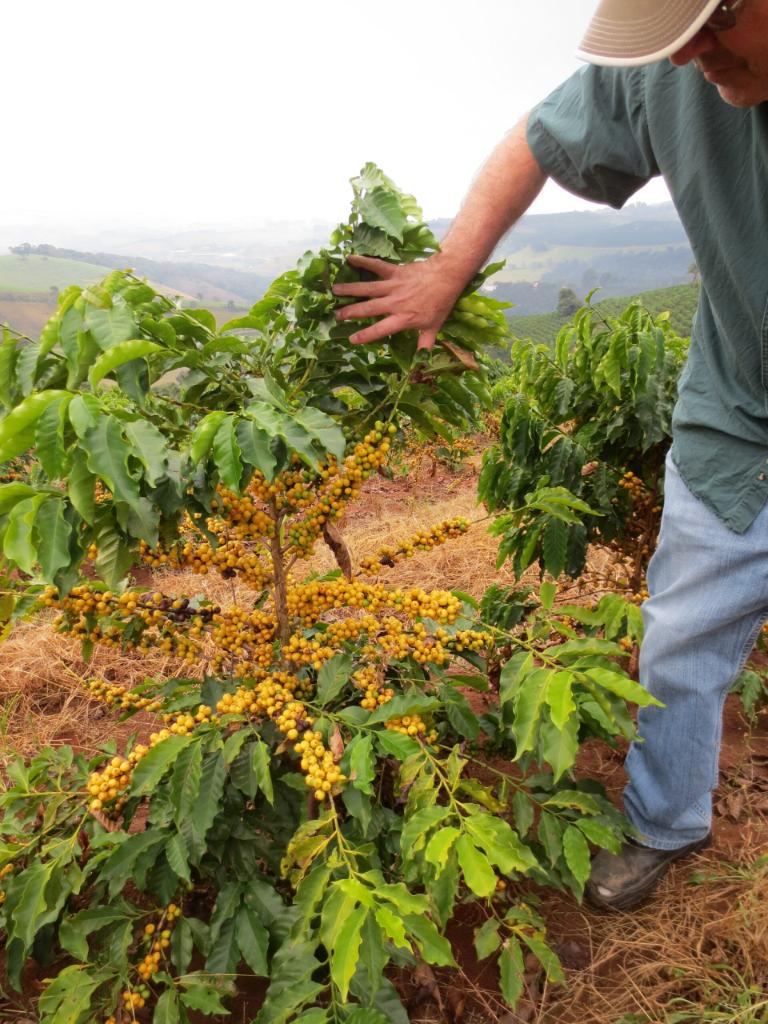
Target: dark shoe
[622,881]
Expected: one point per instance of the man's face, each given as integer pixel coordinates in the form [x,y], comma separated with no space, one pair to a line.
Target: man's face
[736,61]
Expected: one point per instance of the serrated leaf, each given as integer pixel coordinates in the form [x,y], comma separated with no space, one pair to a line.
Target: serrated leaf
[500,842]
[434,947]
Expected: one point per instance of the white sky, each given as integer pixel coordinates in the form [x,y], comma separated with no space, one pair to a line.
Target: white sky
[179,113]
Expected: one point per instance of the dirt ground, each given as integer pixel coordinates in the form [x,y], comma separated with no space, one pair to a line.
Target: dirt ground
[697,947]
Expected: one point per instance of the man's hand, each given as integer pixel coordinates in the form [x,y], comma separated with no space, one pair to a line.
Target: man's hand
[419,296]
[408,296]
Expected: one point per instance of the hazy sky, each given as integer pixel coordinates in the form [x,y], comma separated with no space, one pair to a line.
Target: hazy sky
[180,113]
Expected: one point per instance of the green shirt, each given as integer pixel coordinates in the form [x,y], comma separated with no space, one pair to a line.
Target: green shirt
[602,135]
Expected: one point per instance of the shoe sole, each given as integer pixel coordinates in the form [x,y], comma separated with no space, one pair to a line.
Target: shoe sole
[637,894]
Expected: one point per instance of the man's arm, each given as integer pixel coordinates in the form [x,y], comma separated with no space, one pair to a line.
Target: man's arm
[419,296]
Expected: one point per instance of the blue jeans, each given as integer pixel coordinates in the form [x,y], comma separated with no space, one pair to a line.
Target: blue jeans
[708,599]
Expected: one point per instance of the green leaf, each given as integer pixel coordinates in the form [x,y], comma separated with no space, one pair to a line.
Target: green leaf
[559,697]
[176,852]
[528,709]
[546,957]
[599,834]
[359,754]
[397,744]
[150,447]
[379,208]
[434,947]
[18,541]
[155,763]
[108,453]
[476,868]
[75,929]
[622,686]
[554,547]
[416,828]
[439,846]
[167,1008]
[583,802]
[53,537]
[392,925]
[117,355]
[49,438]
[226,454]
[487,939]
[203,435]
[260,761]
[501,844]
[184,787]
[17,427]
[206,806]
[256,447]
[511,971]
[68,997]
[203,998]
[30,905]
[560,746]
[345,950]
[332,678]
[576,853]
[547,593]
[404,704]
[253,940]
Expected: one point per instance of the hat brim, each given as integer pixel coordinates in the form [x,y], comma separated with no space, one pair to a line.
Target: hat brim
[644,31]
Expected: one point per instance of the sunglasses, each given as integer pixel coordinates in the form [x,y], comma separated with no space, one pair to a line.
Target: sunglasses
[724,16]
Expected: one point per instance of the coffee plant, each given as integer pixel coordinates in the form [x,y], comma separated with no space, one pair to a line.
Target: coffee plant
[582,441]
[321,797]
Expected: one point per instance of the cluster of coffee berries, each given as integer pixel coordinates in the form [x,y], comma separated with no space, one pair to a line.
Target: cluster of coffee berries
[412,725]
[338,485]
[422,540]
[121,697]
[158,938]
[108,787]
[276,696]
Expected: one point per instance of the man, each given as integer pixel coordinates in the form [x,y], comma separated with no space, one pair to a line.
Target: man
[677,88]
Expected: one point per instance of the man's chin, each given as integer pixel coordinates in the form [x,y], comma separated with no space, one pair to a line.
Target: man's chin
[742,94]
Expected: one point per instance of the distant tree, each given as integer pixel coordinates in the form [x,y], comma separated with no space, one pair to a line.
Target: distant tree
[567,302]
[54,291]
[231,305]
[693,270]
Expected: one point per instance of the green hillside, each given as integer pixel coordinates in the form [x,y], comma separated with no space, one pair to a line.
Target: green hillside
[41,273]
[679,300]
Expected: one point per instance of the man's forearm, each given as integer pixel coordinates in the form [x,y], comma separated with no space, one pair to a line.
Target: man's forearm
[504,188]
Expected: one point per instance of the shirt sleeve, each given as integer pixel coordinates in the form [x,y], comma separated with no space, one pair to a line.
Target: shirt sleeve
[591,134]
